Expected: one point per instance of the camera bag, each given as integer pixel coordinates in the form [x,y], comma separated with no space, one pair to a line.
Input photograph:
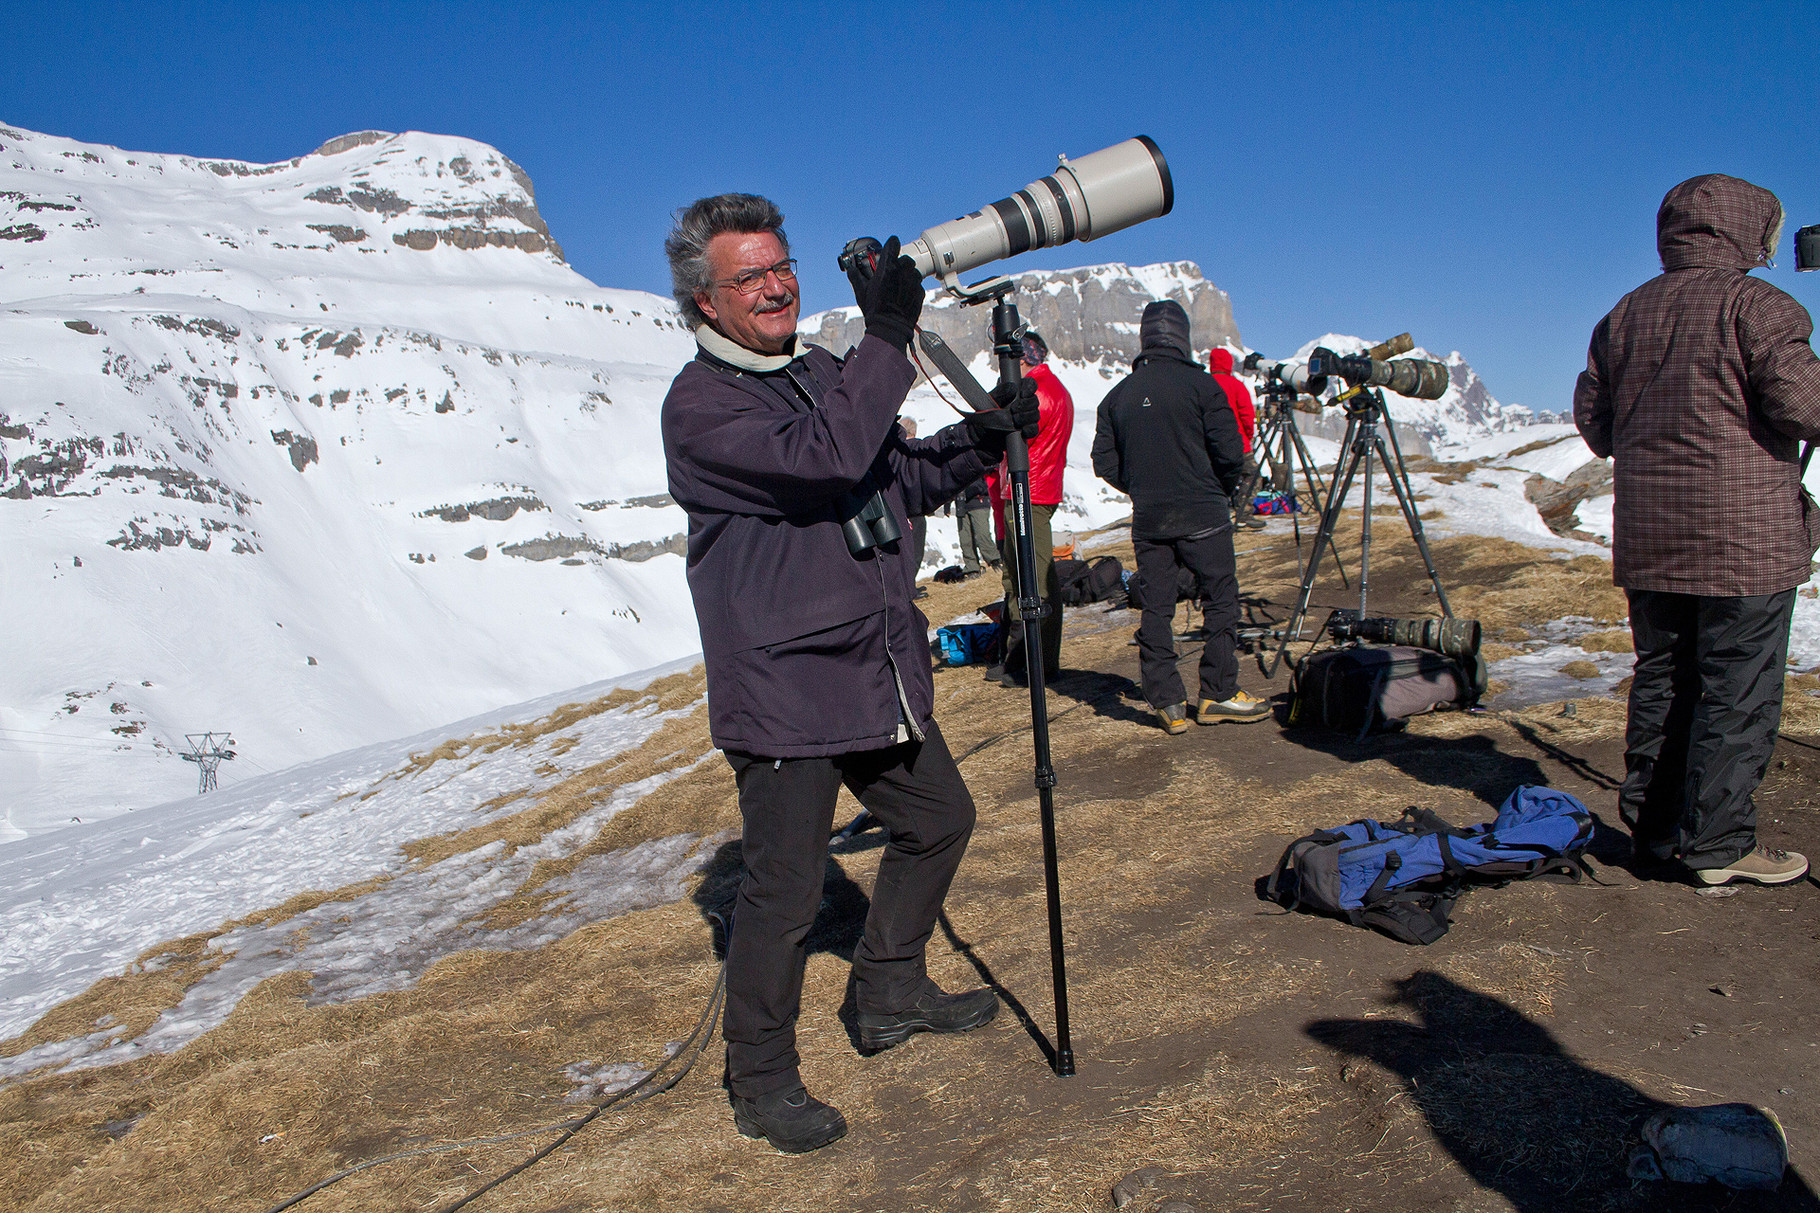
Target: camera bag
[1402,877]
[1370,688]
[1084,581]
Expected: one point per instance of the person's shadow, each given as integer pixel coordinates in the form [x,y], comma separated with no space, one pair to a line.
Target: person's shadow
[1522,1115]
[1473,763]
[838,924]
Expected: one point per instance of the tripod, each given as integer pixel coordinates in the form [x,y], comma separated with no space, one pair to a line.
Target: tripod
[1007,337]
[1364,411]
[1280,441]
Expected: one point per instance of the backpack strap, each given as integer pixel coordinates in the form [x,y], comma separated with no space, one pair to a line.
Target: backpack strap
[1376,893]
[1409,918]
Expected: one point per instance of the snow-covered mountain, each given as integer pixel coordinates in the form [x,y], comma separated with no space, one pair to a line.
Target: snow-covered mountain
[318,452]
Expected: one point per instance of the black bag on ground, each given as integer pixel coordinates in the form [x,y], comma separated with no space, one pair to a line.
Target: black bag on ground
[1370,688]
[1083,581]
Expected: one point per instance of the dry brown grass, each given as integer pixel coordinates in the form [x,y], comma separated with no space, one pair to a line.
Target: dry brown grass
[1188,996]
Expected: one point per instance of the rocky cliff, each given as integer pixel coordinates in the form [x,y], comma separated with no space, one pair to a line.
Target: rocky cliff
[1085,314]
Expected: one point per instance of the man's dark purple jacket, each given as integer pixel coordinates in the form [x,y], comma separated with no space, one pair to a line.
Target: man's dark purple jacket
[806,645]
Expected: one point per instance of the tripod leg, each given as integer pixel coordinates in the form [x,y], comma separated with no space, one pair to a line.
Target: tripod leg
[1399,482]
[1314,495]
[1343,471]
[1368,441]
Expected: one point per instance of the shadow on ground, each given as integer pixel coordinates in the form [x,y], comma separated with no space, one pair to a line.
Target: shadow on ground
[1520,1114]
[838,924]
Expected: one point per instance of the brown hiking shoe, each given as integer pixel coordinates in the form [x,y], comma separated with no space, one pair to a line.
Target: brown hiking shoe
[1765,865]
[1241,708]
[1174,717]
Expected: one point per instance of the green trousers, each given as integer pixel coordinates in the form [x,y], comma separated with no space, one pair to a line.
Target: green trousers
[1048,588]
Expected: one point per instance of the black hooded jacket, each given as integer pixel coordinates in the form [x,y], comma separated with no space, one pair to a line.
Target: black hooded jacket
[1166,436]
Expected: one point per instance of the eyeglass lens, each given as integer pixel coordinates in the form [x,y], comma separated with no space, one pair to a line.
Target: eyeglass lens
[751,280]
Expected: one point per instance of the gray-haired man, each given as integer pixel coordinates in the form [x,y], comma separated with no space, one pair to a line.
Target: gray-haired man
[799,487]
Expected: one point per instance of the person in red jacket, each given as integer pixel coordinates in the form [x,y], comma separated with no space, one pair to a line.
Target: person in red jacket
[1239,397]
[1048,460]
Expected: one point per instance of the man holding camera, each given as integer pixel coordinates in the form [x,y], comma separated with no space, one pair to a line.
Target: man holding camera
[1167,438]
[799,486]
[1700,385]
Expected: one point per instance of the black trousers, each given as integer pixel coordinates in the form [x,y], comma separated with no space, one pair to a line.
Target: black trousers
[1705,703]
[1210,559]
[787,804]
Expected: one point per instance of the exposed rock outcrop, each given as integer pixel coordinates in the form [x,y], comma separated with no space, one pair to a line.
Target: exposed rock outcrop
[1084,314]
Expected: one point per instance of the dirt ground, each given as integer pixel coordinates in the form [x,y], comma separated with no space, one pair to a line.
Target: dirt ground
[1231,1055]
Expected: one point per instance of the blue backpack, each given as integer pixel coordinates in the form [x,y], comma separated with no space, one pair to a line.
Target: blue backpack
[1402,877]
[966,643]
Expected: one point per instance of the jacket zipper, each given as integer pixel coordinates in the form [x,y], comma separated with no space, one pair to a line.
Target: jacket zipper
[906,718]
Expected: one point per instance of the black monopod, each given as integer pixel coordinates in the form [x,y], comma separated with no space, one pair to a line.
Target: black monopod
[1007,338]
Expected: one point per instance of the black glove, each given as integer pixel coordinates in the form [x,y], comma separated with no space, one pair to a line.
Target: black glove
[890,297]
[1017,411]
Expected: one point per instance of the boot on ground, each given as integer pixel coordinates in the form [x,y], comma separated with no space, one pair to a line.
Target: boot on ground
[1173,718]
[1764,865]
[1240,709]
[792,1120]
[933,1012]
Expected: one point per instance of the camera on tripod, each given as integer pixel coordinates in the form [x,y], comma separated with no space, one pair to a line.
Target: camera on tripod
[1404,376]
[1284,379]
[1449,637]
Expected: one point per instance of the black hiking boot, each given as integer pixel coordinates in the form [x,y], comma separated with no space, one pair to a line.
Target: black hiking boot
[792,1120]
[937,1012]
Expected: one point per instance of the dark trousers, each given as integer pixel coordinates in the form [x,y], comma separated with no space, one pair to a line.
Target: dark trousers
[1048,588]
[1705,703]
[787,805]
[975,530]
[1210,559]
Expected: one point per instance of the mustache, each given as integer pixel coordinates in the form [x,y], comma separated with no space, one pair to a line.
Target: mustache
[777,305]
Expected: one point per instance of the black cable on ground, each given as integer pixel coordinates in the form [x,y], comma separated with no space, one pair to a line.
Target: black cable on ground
[691,1047]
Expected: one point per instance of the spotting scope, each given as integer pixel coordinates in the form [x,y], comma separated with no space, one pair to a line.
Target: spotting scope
[1105,192]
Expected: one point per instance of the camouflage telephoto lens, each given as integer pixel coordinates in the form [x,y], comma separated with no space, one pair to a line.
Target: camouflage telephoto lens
[1451,637]
[1413,377]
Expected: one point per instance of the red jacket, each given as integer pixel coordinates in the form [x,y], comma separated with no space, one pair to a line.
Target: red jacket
[1237,394]
[1048,450]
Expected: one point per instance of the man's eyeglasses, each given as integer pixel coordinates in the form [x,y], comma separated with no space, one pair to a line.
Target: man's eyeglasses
[751,280]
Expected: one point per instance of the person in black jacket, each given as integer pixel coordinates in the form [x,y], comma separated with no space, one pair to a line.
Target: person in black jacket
[817,663]
[1167,438]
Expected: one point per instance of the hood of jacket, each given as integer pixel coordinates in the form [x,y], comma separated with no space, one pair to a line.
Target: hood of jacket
[1220,361]
[1718,222]
[1164,328]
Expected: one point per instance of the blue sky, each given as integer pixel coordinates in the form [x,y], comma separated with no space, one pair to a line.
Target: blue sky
[1485,176]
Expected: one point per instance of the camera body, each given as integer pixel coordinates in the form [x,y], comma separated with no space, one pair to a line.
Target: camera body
[1807,248]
